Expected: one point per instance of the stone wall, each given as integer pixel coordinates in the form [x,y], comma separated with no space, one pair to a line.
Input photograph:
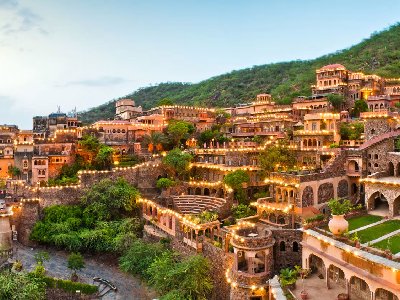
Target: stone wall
[289,257]
[220,262]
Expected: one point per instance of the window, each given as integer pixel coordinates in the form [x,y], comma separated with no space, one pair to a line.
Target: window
[282,246]
[295,247]
[314,126]
[376,156]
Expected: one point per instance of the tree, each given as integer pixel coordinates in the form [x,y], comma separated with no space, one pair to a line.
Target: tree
[359,107]
[177,162]
[235,181]
[165,102]
[14,172]
[178,131]
[108,200]
[277,157]
[336,100]
[351,131]
[90,143]
[75,263]
[139,257]
[164,183]
[155,141]
[242,211]
[104,157]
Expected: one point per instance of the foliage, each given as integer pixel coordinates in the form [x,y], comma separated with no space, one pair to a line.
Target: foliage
[242,211]
[236,178]
[104,158]
[204,217]
[90,143]
[139,257]
[235,181]
[21,286]
[97,224]
[177,162]
[179,131]
[315,218]
[39,270]
[340,207]
[351,131]
[209,135]
[165,102]
[75,262]
[41,257]
[14,171]
[187,279]
[155,141]
[164,183]
[379,54]
[70,286]
[289,276]
[336,101]
[277,157]
[359,107]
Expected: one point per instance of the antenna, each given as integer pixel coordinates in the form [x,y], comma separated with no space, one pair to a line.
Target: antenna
[58,109]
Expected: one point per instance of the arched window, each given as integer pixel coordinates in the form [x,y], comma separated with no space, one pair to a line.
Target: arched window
[295,247]
[282,246]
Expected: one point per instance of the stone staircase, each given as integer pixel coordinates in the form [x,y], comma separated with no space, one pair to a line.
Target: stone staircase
[379,139]
[195,204]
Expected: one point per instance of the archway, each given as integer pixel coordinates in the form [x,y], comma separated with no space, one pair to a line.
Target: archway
[317,265]
[206,192]
[343,188]
[307,198]
[272,218]
[379,204]
[398,169]
[197,191]
[336,278]
[382,294]
[359,289]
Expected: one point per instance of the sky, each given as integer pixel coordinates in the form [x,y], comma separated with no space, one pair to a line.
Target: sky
[74,53]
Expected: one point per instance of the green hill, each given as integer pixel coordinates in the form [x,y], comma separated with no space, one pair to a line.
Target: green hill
[379,54]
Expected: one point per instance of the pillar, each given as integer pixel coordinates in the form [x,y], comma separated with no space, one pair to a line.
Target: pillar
[5,237]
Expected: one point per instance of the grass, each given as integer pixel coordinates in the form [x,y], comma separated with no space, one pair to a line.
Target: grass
[377,231]
[361,221]
[394,244]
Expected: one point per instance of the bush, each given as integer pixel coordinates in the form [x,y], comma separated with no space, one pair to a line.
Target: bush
[340,207]
[242,211]
[21,286]
[164,183]
[139,257]
[313,219]
[70,286]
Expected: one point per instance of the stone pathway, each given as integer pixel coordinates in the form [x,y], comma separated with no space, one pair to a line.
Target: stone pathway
[368,226]
[382,238]
[129,287]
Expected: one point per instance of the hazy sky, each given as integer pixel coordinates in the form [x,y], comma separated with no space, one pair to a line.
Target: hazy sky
[82,53]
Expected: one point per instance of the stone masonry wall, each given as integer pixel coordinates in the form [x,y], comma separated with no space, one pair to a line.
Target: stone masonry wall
[287,258]
[220,262]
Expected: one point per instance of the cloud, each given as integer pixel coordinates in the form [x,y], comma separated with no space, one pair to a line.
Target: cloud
[98,82]
[21,19]
[7,4]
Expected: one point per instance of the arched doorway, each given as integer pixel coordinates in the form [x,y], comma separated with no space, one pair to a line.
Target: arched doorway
[336,278]
[197,191]
[206,192]
[353,166]
[378,203]
[359,289]
[382,294]
[317,265]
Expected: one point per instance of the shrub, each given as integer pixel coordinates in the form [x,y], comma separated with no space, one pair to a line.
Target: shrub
[340,207]
[313,219]
[164,183]
[70,286]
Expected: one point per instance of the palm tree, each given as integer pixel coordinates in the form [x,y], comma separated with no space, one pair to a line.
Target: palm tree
[154,141]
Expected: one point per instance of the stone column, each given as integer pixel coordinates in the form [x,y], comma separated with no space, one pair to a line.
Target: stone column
[5,237]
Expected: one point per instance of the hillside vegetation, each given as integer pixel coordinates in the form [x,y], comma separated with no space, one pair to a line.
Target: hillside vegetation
[379,54]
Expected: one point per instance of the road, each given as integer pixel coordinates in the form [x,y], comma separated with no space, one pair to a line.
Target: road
[129,287]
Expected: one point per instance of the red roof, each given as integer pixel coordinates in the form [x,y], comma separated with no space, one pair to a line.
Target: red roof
[333,66]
